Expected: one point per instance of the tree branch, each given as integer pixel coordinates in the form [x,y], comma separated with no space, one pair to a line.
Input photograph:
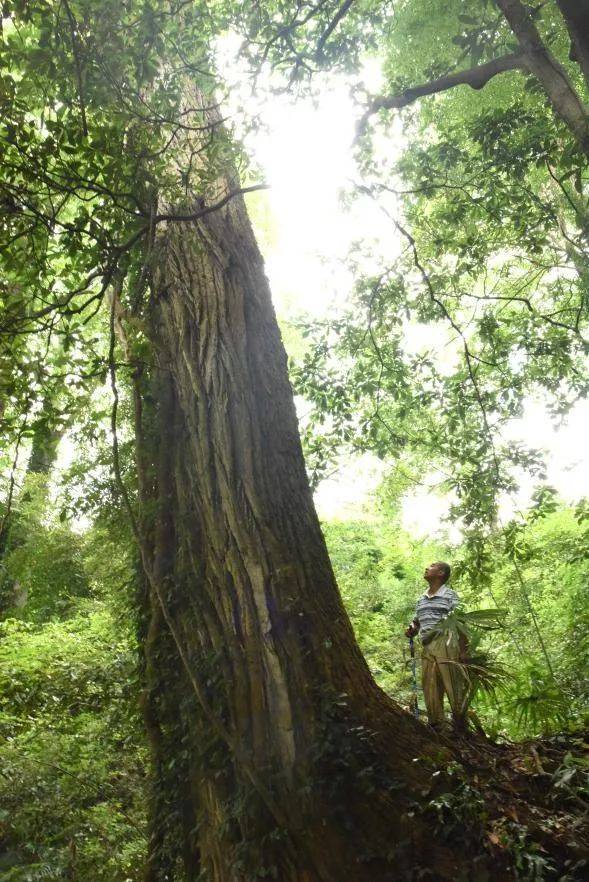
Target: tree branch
[341,13]
[475,77]
[196,215]
[534,57]
[12,481]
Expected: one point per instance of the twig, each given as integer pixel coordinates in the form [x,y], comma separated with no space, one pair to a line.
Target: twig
[196,215]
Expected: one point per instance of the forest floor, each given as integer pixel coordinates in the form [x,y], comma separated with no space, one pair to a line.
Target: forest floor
[529,798]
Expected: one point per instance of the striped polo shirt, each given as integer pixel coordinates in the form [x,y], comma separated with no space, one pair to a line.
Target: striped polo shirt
[431,610]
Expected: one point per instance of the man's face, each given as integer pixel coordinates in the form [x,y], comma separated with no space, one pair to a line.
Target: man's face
[432,572]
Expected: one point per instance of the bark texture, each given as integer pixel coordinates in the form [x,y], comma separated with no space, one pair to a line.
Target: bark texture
[275,752]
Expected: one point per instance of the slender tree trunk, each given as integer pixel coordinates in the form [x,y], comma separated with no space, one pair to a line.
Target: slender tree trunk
[47,434]
[294,764]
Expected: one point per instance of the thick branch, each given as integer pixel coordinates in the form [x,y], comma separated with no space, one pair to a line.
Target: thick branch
[475,77]
[549,72]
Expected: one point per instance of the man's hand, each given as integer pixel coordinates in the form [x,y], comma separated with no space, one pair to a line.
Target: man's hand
[412,630]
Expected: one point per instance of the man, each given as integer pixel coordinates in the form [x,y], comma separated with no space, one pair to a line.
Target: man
[440,668]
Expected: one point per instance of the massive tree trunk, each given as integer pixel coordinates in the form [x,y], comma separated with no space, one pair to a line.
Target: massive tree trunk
[275,752]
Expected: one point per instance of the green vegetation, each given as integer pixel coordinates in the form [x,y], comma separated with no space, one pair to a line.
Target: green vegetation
[173,649]
[73,785]
[544,598]
[72,753]
[73,764]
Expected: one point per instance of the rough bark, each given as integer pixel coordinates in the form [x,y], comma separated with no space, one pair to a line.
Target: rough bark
[290,760]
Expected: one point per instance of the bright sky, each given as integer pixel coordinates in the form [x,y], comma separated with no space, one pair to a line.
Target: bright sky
[304,152]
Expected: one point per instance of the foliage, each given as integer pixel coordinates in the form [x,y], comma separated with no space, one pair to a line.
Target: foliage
[44,560]
[102,104]
[380,572]
[68,690]
[481,304]
[71,786]
[466,630]
[377,568]
[457,814]
[94,100]
[536,703]
[73,759]
[571,778]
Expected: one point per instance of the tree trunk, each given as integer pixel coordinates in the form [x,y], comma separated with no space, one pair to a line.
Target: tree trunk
[576,16]
[289,760]
[47,433]
[540,61]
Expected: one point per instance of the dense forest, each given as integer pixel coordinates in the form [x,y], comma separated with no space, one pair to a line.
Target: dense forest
[199,679]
